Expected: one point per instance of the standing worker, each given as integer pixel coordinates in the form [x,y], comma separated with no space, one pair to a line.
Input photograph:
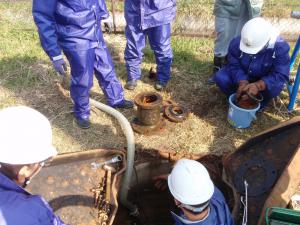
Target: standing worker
[26,144]
[150,19]
[199,201]
[75,27]
[230,17]
[258,62]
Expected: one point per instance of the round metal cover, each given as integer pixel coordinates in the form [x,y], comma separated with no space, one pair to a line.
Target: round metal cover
[260,174]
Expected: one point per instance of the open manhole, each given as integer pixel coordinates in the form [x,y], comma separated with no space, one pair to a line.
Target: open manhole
[67,184]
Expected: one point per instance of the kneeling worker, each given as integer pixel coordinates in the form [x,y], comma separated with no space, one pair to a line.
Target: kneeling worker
[26,144]
[200,202]
[258,62]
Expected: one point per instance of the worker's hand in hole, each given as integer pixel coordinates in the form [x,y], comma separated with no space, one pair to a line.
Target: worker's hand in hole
[242,85]
[60,66]
[160,182]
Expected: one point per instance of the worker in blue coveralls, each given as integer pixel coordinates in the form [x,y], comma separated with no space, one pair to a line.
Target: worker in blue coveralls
[152,19]
[230,17]
[75,27]
[258,62]
[26,144]
[199,201]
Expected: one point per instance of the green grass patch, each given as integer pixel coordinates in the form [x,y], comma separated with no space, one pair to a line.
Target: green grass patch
[203,8]
[27,77]
[21,56]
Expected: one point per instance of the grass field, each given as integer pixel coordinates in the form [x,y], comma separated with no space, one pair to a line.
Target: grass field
[26,77]
[203,8]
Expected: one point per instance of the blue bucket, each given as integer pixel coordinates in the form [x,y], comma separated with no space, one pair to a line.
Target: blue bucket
[239,117]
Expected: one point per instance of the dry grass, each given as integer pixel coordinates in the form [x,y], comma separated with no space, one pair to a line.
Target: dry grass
[26,78]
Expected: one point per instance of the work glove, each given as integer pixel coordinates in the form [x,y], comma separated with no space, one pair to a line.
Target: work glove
[60,66]
[253,89]
[242,85]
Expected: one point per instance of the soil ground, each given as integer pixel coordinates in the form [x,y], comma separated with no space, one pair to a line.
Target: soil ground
[27,78]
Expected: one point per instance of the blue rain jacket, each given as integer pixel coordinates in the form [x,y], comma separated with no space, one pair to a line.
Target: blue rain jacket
[149,13]
[68,24]
[18,207]
[219,213]
[270,65]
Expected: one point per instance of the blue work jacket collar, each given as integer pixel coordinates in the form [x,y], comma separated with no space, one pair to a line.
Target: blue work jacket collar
[8,184]
[183,220]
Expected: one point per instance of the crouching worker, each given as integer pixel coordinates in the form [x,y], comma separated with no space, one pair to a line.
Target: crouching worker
[150,19]
[200,202]
[258,62]
[74,26]
[26,144]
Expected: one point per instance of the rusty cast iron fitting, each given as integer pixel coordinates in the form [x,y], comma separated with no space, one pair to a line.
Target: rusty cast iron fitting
[176,113]
[149,106]
[109,170]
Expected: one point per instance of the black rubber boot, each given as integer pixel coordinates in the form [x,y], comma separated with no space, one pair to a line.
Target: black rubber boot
[218,63]
[83,123]
[125,104]
[159,86]
[131,85]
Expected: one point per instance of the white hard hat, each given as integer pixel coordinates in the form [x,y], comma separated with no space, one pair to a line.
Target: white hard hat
[190,183]
[255,35]
[25,136]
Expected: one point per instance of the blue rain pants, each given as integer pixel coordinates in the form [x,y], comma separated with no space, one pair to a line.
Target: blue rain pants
[74,26]
[83,65]
[160,42]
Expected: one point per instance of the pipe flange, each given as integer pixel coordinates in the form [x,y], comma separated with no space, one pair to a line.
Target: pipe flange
[148,100]
[176,113]
[260,174]
[167,103]
[148,130]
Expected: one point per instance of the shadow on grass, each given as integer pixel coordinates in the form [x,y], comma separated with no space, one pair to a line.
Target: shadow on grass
[28,81]
[32,84]
[188,86]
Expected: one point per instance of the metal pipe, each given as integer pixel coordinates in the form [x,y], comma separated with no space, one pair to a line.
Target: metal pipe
[126,127]
[114,15]
[293,96]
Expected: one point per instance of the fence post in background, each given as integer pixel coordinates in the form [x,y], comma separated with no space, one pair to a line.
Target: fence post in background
[114,15]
